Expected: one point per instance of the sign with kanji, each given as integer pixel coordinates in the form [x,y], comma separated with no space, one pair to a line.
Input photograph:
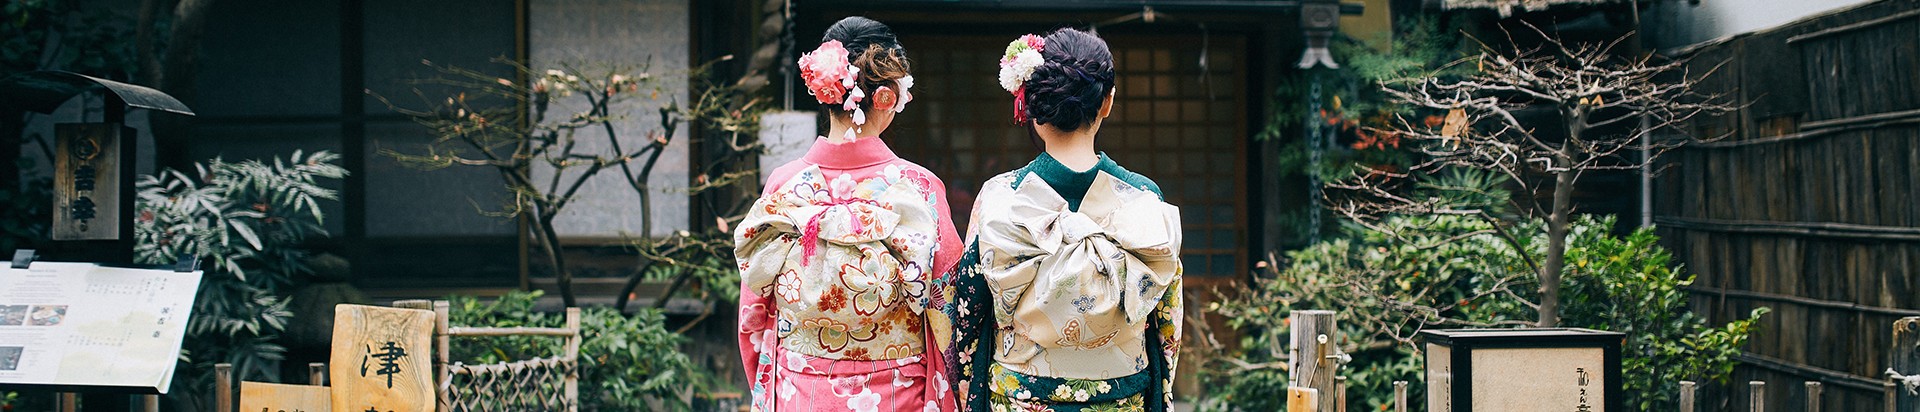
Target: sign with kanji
[274,397]
[382,359]
[1546,369]
[86,180]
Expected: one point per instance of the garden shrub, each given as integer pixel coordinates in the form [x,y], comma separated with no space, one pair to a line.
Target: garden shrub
[627,362]
[247,223]
[1408,273]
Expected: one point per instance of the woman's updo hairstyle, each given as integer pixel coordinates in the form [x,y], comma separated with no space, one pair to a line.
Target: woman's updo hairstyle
[1068,89]
[873,48]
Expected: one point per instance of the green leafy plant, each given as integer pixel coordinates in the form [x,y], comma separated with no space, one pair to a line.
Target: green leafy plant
[628,362]
[65,35]
[1629,284]
[1410,273]
[245,222]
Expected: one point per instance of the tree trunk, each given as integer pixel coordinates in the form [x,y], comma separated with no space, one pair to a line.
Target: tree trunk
[174,73]
[1558,218]
[1557,223]
[550,243]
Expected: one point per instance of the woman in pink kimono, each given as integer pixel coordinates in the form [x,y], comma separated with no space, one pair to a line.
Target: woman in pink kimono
[841,257]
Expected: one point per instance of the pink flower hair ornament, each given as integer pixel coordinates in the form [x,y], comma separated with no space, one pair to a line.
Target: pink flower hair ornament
[832,79]
[827,73]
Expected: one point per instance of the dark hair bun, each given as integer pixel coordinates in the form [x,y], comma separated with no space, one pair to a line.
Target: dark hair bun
[857,33]
[872,47]
[1068,90]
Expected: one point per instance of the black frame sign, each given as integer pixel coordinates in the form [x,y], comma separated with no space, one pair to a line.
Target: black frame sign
[1559,369]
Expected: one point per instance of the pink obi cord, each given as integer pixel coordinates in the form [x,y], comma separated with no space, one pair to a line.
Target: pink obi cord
[813,225]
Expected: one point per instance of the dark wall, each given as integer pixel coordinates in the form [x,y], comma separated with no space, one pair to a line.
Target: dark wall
[1808,208]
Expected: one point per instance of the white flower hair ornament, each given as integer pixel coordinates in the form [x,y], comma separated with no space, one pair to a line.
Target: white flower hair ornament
[1017,66]
[906,95]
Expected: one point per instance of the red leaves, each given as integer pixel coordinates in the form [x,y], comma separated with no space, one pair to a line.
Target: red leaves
[1376,139]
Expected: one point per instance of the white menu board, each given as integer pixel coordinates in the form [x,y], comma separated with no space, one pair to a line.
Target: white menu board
[82,324]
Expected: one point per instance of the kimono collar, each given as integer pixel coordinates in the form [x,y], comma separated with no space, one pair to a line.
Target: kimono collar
[860,153]
[1070,184]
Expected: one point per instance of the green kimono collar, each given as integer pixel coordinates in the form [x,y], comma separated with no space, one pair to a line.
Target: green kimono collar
[1072,185]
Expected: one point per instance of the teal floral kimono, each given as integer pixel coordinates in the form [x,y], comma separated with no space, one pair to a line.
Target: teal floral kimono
[1068,295]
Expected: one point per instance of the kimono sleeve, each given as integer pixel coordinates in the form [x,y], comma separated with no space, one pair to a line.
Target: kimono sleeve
[760,250]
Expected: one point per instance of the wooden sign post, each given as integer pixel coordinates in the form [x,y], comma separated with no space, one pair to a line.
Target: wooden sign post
[382,359]
[274,397]
[1313,361]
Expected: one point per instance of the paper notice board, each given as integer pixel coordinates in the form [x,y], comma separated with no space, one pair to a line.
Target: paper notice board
[85,325]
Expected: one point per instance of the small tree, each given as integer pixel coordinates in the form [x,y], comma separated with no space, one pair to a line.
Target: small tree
[482,125]
[1596,110]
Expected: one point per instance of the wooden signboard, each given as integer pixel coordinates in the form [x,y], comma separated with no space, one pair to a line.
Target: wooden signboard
[1303,399]
[86,181]
[382,359]
[1558,369]
[274,397]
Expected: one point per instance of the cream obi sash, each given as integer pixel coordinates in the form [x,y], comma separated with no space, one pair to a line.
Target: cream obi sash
[845,263]
[1072,290]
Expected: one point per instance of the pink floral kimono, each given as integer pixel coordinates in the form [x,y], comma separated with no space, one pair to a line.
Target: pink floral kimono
[842,262]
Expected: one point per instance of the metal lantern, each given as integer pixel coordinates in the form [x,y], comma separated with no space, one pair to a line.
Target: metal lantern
[93,171]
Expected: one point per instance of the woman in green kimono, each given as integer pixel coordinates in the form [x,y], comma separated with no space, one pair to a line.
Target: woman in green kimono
[1068,295]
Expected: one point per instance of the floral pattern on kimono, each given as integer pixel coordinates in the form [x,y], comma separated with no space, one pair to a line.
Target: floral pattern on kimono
[1012,391]
[837,275]
[1075,294]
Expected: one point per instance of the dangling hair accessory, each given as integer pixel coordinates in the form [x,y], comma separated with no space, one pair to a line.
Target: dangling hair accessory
[831,79]
[1017,66]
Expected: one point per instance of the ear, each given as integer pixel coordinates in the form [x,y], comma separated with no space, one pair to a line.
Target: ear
[884,98]
[1106,107]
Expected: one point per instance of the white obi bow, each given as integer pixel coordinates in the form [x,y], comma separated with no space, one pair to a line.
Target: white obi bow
[1078,281]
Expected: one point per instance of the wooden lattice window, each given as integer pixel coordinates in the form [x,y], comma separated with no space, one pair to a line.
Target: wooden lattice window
[1174,122]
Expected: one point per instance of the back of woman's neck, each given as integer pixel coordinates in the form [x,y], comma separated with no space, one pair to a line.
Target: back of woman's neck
[1073,150]
[837,132]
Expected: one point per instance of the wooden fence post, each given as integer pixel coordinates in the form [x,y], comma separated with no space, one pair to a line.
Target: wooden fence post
[572,386]
[1340,394]
[1686,396]
[1905,361]
[67,402]
[223,387]
[317,373]
[1813,396]
[1892,392]
[1399,396]
[1310,365]
[1757,398]
[442,355]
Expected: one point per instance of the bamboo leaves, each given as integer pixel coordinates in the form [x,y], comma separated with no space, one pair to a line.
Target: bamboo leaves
[247,220]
